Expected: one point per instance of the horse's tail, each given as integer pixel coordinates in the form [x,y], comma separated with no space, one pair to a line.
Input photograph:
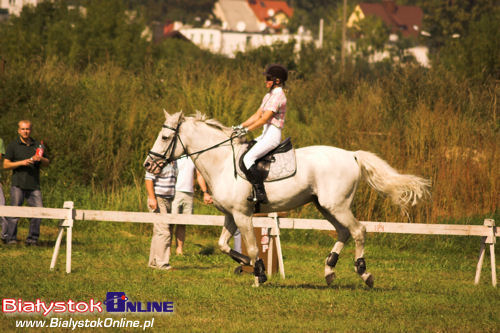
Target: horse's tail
[402,189]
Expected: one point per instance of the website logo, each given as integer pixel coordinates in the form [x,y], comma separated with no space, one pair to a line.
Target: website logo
[117,301]
[17,306]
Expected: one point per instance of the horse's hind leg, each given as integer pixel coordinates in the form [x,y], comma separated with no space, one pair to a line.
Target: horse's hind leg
[342,237]
[358,232]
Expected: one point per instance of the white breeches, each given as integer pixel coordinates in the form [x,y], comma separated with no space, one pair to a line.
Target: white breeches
[270,139]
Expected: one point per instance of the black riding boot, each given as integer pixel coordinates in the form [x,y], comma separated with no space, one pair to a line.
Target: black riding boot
[254,176]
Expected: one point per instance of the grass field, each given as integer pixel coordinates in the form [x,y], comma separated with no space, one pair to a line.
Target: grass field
[422,283]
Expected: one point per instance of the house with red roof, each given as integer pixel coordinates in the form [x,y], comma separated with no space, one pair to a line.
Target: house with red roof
[244,25]
[275,14]
[253,15]
[406,20]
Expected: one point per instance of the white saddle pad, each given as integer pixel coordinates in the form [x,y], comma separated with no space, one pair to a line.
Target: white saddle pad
[283,166]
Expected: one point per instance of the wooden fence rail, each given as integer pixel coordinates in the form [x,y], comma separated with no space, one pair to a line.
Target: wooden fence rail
[273,222]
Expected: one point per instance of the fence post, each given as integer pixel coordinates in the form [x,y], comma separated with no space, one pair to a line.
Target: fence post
[275,233]
[68,225]
[490,240]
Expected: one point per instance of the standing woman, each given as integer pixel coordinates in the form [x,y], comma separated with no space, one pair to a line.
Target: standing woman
[270,115]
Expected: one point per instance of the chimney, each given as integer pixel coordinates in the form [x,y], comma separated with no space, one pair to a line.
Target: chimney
[390,6]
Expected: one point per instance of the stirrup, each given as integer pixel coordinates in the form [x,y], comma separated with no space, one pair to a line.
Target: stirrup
[257,197]
[251,198]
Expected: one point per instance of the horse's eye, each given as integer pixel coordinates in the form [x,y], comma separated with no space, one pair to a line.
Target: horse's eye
[164,137]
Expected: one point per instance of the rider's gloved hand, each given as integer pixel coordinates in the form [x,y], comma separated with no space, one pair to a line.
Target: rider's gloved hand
[241,131]
[236,127]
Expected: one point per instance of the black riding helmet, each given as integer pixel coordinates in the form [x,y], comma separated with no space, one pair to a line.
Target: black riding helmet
[276,71]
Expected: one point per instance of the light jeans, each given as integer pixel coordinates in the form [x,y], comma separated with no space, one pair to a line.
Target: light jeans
[270,139]
[159,254]
[183,204]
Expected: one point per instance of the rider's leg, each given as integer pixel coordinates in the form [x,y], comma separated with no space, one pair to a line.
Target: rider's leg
[269,140]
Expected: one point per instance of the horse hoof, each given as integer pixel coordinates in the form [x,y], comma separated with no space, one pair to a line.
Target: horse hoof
[329,278]
[368,280]
[262,278]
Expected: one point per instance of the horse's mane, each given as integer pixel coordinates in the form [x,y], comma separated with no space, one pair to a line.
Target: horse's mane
[214,123]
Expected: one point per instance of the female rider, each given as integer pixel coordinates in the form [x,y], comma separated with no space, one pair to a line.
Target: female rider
[271,115]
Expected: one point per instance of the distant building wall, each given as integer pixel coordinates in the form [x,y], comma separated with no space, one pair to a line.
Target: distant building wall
[228,43]
[15,6]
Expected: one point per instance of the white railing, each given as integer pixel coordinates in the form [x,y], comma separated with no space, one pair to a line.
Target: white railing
[273,222]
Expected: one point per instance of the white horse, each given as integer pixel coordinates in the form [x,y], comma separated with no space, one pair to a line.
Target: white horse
[327,176]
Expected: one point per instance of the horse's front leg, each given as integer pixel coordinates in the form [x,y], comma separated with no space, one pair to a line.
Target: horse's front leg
[245,225]
[227,232]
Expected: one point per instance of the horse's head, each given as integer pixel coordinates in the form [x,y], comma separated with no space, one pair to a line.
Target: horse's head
[166,147]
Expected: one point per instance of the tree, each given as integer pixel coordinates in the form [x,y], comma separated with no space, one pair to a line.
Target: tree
[476,54]
[106,32]
[371,35]
[193,12]
[445,19]
[44,31]
[307,13]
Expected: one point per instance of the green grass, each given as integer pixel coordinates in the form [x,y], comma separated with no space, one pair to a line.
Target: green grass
[422,283]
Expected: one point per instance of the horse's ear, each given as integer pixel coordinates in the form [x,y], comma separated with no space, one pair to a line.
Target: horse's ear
[178,116]
[166,114]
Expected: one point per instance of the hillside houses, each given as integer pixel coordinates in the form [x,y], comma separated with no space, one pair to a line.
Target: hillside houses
[242,25]
[245,24]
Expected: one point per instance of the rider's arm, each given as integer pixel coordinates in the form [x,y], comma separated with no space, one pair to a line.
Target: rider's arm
[265,116]
[253,118]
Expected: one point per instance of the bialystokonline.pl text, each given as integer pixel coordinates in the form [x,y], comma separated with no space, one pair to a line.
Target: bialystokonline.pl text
[85,323]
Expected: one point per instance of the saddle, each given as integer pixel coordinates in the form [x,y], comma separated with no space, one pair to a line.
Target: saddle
[278,164]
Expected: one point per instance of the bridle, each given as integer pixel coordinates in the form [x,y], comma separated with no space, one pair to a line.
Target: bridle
[171,147]
[161,159]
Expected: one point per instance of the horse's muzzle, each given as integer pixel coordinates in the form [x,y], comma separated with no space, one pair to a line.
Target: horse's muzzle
[153,166]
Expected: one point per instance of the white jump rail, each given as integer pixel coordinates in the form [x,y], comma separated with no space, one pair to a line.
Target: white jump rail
[487,231]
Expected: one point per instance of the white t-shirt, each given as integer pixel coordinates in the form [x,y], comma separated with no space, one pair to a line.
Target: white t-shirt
[185,177]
